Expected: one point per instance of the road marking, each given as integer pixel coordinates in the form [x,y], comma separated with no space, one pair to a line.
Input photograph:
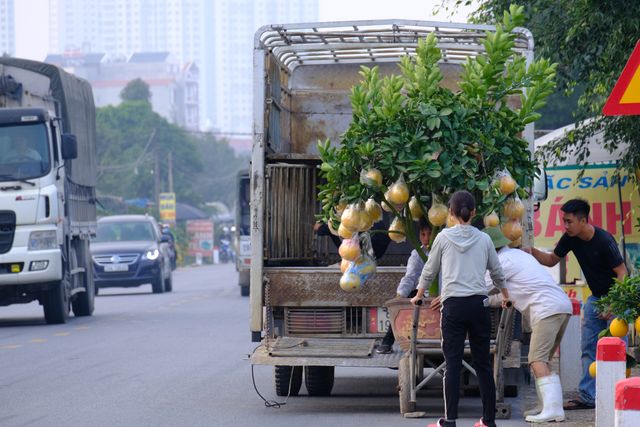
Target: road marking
[38,340]
[61,334]
[80,328]
[10,346]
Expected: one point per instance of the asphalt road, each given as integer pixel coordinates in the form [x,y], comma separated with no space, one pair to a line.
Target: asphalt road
[177,359]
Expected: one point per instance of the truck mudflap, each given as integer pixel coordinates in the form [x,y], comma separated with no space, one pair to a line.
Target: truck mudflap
[351,352]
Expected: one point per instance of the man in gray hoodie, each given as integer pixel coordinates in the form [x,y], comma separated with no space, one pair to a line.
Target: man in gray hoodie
[462,254]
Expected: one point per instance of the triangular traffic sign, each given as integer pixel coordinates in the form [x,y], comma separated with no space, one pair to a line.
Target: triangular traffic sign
[625,96]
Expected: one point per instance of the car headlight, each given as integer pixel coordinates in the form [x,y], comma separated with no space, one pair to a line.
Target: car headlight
[152,254]
[42,240]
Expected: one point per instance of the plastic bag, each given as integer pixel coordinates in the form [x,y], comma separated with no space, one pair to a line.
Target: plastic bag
[513,208]
[438,212]
[350,248]
[397,231]
[504,182]
[371,178]
[398,193]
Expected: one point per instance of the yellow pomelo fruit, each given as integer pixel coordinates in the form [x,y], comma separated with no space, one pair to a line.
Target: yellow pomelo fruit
[344,264]
[451,221]
[438,214]
[491,220]
[619,328]
[397,231]
[512,230]
[344,232]
[374,210]
[415,209]
[365,266]
[350,219]
[350,282]
[592,369]
[349,249]
[398,193]
[340,207]
[375,176]
[637,325]
[513,209]
[507,185]
[365,222]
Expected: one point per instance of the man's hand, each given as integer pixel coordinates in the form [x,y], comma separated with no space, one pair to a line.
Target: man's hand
[506,303]
[436,304]
[606,316]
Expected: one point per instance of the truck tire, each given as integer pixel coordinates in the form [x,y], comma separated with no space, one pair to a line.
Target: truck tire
[84,302]
[319,380]
[158,284]
[285,376]
[243,282]
[168,284]
[56,304]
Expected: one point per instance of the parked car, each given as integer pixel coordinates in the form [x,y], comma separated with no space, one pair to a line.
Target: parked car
[129,251]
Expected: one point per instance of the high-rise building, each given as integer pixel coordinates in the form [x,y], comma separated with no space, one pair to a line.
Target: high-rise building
[230,38]
[7,28]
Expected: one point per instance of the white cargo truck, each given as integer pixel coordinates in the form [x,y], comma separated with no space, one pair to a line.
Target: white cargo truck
[303,76]
[47,188]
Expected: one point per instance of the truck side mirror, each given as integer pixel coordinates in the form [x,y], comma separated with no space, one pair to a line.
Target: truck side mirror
[69,146]
[540,188]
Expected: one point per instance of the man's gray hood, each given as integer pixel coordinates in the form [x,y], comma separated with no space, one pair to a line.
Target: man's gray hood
[462,236]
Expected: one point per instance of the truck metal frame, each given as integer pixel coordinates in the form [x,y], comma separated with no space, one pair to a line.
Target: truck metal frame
[303,74]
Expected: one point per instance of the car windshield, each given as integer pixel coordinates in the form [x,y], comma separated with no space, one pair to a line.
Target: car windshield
[24,152]
[131,231]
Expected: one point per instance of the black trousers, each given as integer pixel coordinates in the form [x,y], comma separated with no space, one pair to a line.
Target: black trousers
[462,317]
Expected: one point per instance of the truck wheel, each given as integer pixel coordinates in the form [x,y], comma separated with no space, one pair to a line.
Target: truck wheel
[158,284]
[56,304]
[285,376]
[84,302]
[319,380]
[243,281]
[168,284]
[404,386]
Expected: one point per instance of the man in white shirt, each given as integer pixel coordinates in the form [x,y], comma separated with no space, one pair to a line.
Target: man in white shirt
[536,295]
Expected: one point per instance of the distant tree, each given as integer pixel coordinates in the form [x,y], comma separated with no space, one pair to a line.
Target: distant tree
[591,42]
[130,135]
[136,90]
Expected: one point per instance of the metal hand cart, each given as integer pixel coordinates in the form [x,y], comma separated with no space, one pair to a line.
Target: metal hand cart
[417,332]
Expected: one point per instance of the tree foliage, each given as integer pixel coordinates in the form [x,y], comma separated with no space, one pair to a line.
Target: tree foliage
[136,90]
[438,141]
[131,135]
[591,42]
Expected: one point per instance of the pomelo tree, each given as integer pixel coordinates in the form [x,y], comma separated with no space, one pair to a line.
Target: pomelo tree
[412,143]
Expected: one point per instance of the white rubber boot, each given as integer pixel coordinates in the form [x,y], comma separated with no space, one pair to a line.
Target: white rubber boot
[551,393]
[538,408]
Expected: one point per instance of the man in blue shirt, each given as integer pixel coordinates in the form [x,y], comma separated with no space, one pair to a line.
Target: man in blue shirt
[409,282]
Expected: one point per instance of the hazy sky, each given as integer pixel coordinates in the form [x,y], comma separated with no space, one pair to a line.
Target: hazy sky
[32,18]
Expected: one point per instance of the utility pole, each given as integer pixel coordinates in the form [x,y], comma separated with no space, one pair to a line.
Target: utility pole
[156,179]
[170,161]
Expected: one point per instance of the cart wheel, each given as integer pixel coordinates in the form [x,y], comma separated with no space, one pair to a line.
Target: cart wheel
[503,411]
[404,386]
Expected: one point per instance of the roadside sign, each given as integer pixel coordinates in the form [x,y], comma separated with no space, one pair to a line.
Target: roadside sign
[200,234]
[625,96]
[167,207]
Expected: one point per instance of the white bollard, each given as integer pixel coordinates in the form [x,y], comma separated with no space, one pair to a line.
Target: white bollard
[611,357]
[570,352]
[628,403]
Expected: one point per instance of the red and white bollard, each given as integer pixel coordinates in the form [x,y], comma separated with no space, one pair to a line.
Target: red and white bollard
[627,403]
[611,357]
[570,351]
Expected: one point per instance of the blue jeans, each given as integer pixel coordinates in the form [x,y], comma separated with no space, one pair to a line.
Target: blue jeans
[591,327]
